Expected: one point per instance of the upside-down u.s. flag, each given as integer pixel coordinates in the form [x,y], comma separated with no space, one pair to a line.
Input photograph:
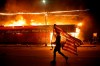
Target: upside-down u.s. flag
[71,42]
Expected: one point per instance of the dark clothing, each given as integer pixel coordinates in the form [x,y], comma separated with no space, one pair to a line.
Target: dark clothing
[58,41]
[58,47]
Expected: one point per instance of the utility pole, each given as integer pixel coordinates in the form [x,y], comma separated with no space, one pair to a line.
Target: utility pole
[45,16]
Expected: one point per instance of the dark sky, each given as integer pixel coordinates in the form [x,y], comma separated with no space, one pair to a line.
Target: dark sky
[53,4]
[2,4]
[93,5]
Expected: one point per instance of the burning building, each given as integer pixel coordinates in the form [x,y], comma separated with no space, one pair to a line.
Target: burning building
[21,29]
[23,24]
[30,34]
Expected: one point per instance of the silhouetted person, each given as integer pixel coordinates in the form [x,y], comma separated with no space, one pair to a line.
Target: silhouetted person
[58,46]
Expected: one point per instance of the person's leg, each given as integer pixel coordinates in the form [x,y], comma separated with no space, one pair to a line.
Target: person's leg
[54,56]
[62,54]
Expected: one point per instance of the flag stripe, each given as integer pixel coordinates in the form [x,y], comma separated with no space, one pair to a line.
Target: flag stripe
[70,51]
[71,48]
[74,40]
[69,43]
[69,40]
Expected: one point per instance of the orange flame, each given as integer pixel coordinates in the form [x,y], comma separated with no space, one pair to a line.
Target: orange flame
[21,21]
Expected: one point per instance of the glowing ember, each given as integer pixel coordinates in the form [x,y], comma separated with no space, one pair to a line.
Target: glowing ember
[76,34]
[80,24]
[35,23]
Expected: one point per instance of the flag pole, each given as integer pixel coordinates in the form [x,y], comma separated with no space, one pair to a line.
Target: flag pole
[52,36]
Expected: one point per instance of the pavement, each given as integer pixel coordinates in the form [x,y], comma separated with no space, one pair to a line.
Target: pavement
[31,45]
[30,55]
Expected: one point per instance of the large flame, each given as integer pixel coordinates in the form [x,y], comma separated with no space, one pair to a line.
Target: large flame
[38,19]
[33,23]
[17,23]
[20,21]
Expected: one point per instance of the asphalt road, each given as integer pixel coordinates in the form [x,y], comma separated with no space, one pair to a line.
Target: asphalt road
[42,56]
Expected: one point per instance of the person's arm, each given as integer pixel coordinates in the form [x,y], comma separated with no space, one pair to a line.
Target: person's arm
[53,42]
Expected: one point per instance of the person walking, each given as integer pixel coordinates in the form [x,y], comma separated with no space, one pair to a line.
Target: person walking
[58,46]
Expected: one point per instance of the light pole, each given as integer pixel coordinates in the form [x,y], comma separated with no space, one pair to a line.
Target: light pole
[45,16]
[45,13]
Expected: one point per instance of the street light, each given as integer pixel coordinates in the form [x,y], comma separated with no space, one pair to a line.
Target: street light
[44,1]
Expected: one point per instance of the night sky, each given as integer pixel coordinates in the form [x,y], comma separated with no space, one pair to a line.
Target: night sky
[2,4]
[53,5]
[93,5]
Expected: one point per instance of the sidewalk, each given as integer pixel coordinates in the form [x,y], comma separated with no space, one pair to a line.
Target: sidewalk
[31,45]
[18,45]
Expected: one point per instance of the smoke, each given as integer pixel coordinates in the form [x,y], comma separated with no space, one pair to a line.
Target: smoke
[14,6]
[20,6]
[2,5]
